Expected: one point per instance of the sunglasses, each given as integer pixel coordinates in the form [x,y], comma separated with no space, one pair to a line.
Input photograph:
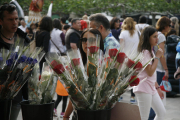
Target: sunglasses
[83,40]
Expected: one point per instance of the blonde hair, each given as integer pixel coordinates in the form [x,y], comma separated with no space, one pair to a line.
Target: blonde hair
[85,17]
[175,21]
[129,24]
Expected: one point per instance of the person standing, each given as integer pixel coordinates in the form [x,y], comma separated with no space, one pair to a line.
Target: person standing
[129,35]
[175,25]
[9,25]
[43,36]
[142,23]
[163,26]
[115,27]
[147,91]
[73,35]
[23,26]
[100,22]
[57,38]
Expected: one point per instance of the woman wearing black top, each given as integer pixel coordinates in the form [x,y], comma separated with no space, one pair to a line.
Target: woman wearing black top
[43,36]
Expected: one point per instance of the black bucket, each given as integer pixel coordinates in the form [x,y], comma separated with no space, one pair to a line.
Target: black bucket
[94,114]
[5,109]
[37,112]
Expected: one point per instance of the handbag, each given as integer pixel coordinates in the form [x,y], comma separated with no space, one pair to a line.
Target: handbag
[165,85]
[62,54]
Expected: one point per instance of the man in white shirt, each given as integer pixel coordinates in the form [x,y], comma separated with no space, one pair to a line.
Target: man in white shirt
[23,25]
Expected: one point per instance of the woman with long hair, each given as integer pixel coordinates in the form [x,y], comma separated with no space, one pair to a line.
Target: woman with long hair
[115,27]
[129,36]
[83,49]
[162,26]
[175,24]
[147,91]
[43,36]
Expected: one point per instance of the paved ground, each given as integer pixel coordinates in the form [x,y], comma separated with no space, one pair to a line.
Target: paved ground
[172,108]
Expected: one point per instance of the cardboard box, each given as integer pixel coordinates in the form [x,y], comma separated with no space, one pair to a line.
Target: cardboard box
[125,111]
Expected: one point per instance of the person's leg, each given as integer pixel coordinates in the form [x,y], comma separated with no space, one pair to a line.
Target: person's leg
[15,110]
[158,107]
[64,103]
[58,100]
[144,102]
[160,75]
[132,99]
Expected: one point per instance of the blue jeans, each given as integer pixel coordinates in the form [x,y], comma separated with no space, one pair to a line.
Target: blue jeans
[160,75]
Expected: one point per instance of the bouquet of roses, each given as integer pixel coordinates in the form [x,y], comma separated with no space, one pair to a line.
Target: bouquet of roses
[106,80]
[16,68]
[58,64]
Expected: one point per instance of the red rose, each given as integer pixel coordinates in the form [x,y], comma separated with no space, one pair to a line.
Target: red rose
[54,63]
[76,61]
[59,69]
[138,66]
[93,49]
[130,63]
[112,52]
[134,81]
[120,57]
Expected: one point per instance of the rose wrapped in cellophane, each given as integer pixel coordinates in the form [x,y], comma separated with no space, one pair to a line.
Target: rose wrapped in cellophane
[93,53]
[77,69]
[16,70]
[76,96]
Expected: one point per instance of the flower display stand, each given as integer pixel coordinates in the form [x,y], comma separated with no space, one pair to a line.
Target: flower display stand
[37,112]
[94,114]
[5,109]
[125,111]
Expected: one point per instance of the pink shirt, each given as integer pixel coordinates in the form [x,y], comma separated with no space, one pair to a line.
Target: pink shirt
[147,86]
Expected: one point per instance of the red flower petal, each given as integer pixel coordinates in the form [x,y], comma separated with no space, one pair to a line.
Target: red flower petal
[93,49]
[135,82]
[59,69]
[138,66]
[54,63]
[112,52]
[76,61]
[130,63]
[120,57]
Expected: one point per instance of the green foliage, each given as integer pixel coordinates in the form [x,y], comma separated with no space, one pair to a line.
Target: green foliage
[114,6]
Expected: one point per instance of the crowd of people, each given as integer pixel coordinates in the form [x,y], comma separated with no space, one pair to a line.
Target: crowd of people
[61,35]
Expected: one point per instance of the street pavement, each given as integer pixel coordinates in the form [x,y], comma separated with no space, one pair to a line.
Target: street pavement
[172,107]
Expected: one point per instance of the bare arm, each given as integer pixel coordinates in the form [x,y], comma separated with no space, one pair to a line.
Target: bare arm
[159,90]
[68,110]
[150,69]
[163,61]
[121,41]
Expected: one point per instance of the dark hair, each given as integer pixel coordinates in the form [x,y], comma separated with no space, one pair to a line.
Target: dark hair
[63,20]
[6,7]
[45,24]
[32,24]
[95,32]
[142,19]
[30,30]
[66,27]
[74,20]
[162,23]
[170,32]
[100,19]
[57,24]
[37,24]
[69,19]
[144,42]
[113,21]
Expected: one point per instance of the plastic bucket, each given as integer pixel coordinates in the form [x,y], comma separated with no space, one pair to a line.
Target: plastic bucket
[37,112]
[94,114]
[5,109]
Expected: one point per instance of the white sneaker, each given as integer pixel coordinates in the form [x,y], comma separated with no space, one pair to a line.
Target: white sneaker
[132,100]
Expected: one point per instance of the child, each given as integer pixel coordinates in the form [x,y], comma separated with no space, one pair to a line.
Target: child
[147,92]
